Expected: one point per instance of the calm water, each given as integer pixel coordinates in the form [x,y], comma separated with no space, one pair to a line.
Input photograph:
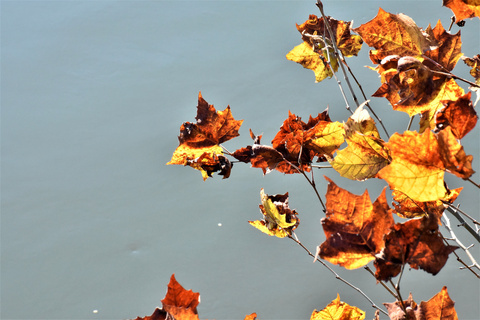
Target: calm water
[93,222]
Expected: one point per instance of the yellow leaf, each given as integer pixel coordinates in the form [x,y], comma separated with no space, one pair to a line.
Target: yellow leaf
[279,219]
[338,310]
[309,59]
[366,153]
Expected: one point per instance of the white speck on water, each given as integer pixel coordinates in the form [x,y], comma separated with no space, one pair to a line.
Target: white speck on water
[219,224]
[95,311]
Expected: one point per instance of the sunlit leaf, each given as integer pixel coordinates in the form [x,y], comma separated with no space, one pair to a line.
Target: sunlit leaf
[463,9]
[454,158]
[448,50]
[338,310]
[278,219]
[354,227]
[305,55]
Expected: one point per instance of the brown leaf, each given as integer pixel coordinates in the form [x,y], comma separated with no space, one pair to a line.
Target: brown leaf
[439,307]
[354,227]
[181,303]
[454,158]
[409,208]
[459,114]
[395,310]
[158,314]
[199,142]
[416,242]
[394,34]
[449,47]
[463,9]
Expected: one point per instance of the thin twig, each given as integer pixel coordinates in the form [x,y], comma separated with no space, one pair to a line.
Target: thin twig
[381,282]
[464,213]
[454,238]
[338,277]
[410,122]
[463,223]
[474,183]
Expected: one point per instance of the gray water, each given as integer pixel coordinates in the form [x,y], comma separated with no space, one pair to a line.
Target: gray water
[93,222]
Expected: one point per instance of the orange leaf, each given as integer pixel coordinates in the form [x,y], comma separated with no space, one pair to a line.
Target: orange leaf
[365,154]
[463,9]
[459,114]
[199,142]
[158,314]
[181,303]
[439,307]
[305,55]
[408,208]
[453,156]
[394,34]
[416,168]
[354,227]
[252,316]
[416,242]
[279,220]
[449,48]
[338,310]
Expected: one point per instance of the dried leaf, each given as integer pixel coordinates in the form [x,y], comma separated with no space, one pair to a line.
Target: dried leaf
[199,142]
[463,9]
[453,156]
[366,153]
[395,310]
[449,47]
[408,208]
[279,220]
[439,307]
[316,52]
[252,316]
[416,242]
[354,227]
[181,303]
[416,168]
[158,314]
[459,114]
[394,34]
[338,310]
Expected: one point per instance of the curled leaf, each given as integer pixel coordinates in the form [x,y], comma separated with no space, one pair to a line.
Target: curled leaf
[338,310]
[463,9]
[279,220]
[459,115]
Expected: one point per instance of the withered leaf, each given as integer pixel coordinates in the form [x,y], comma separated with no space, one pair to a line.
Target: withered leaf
[459,114]
[181,303]
[405,207]
[338,310]
[316,51]
[199,142]
[454,158]
[252,316]
[354,227]
[416,168]
[463,9]
[366,153]
[394,34]
[449,47]
[278,219]
[416,242]
[439,307]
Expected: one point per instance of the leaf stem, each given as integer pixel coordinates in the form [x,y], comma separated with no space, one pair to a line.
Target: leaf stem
[337,276]
[381,282]
[410,122]
[463,223]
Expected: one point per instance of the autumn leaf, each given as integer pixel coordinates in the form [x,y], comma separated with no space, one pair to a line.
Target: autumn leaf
[252,316]
[454,158]
[416,168]
[181,303]
[279,220]
[365,154]
[178,304]
[439,307]
[448,50]
[463,9]
[295,145]
[316,52]
[199,142]
[459,115]
[416,242]
[354,227]
[394,34]
[474,63]
[338,310]
[406,207]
